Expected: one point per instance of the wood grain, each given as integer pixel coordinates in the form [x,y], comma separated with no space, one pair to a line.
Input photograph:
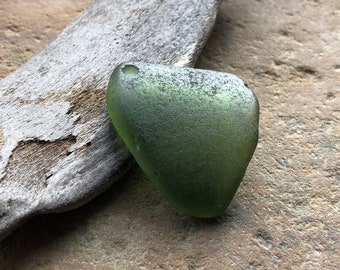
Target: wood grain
[58,148]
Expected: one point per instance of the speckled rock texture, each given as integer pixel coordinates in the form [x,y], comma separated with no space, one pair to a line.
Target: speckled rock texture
[285,214]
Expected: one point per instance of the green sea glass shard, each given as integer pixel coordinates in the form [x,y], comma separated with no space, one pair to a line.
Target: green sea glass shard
[193,132]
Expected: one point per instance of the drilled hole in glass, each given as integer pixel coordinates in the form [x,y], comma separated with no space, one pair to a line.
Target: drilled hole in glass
[130,70]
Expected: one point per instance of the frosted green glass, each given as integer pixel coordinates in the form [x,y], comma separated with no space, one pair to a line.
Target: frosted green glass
[193,132]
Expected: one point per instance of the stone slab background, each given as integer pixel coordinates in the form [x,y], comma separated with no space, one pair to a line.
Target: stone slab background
[285,214]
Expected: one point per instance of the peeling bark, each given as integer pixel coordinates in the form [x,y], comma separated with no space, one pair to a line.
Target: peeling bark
[57,146]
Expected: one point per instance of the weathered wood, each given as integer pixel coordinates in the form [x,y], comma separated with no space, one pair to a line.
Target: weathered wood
[57,146]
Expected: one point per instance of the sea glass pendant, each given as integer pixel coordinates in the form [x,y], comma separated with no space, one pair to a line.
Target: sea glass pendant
[192,131]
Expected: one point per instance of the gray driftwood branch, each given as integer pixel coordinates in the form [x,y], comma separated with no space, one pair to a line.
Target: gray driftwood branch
[57,146]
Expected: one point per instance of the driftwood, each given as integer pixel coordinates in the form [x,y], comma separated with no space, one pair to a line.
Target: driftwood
[58,148]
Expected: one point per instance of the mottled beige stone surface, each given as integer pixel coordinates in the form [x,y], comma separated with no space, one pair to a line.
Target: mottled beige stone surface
[285,214]
[26,27]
